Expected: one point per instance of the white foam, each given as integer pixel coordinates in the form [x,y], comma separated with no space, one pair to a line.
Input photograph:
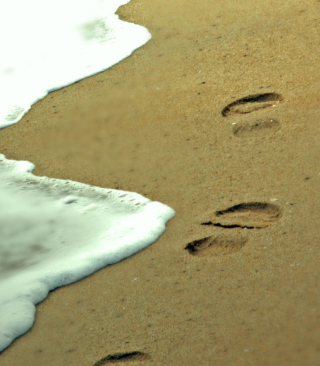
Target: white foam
[55,232]
[46,45]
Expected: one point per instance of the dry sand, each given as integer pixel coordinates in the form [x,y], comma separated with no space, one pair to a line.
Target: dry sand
[153,124]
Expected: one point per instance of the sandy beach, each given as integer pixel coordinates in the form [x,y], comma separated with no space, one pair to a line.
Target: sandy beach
[217,117]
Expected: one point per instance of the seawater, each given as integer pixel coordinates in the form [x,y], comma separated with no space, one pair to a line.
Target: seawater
[54,232]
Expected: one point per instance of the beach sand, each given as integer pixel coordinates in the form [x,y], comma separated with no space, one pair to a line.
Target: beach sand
[153,124]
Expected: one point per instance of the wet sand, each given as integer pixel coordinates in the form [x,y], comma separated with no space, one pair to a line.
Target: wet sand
[248,179]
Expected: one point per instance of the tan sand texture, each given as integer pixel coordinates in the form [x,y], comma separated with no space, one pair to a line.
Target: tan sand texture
[248,180]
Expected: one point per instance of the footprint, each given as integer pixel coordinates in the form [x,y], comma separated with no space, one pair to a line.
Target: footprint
[123,357]
[255,128]
[215,246]
[251,215]
[251,103]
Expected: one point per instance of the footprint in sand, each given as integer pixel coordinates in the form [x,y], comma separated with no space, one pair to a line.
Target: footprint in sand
[216,246]
[251,215]
[256,128]
[251,103]
[123,357]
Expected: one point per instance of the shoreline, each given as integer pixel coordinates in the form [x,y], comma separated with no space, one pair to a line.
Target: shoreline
[153,124]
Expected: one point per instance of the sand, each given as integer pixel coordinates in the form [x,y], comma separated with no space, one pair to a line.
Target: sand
[153,124]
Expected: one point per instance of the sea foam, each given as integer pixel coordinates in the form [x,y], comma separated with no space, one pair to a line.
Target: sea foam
[55,232]
[46,45]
